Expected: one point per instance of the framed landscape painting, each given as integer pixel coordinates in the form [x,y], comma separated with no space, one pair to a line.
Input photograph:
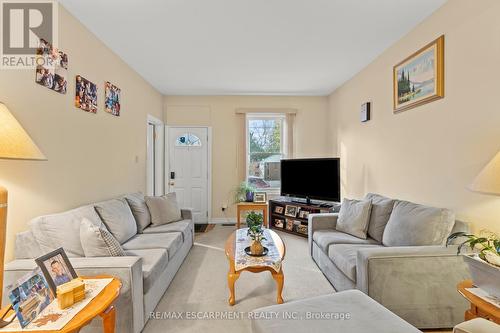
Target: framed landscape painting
[419,79]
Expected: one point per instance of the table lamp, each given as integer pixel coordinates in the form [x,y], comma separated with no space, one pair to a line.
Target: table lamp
[488,180]
[15,144]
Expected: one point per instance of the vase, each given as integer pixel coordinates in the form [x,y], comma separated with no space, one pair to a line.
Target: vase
[249,196]
[256,248]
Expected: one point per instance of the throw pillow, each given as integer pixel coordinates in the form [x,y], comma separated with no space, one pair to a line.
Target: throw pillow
[140,210]
[118,218]
[97,241]
[381,211]
[164,209]
[412,224]
[354,216]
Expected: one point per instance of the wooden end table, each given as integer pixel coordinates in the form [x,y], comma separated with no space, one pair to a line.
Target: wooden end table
[479,308]
[100,306]
[251,206]
[233,274]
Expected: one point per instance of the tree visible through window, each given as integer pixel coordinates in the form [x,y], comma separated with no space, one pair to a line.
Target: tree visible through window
[265,151]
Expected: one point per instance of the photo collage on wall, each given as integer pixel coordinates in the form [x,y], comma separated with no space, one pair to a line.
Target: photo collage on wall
[52,67]
[52,73]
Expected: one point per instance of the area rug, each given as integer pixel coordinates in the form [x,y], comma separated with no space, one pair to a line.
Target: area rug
[197,298]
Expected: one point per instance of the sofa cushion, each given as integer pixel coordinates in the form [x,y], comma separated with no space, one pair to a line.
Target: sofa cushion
[344,257]
[184,226]
[171,241]
[97,241]
[325,238]
[118,218]
[154,263]
[354,216]
[62,230]
[26,246]
[381,211]
[164,209]
[412,224]
[140,210]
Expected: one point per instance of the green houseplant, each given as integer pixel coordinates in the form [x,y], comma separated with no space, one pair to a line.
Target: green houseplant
[484,265]
[256,232]
[244,192]
[487,243]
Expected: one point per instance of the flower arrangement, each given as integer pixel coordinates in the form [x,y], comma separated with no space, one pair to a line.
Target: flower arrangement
[487,243]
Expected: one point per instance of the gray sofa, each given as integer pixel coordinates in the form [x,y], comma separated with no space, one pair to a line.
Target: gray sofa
[154,253]
[418,283]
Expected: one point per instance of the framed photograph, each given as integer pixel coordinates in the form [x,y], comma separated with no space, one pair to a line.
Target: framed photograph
[278,209]
[419,79]
[301,228]
[304,214]
[291,210]
[112,99]
[86,95]
[289,225]
[52,67]
[260,197]
[278,223]
[29,296]
[56,268]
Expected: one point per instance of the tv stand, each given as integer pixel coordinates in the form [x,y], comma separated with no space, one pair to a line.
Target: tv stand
[291,215]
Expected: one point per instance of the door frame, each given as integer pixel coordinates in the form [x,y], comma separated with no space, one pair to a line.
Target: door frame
[209,164]
[159,155]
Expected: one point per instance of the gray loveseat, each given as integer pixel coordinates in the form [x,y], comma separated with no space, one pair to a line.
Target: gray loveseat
[418,283]
[154,253]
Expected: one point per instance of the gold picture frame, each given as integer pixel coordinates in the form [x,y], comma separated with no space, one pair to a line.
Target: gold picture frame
[419,79]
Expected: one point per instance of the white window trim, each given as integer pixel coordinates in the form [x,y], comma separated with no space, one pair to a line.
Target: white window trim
[264,116]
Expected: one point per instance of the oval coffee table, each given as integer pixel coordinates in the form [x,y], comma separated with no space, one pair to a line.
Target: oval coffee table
[233,275]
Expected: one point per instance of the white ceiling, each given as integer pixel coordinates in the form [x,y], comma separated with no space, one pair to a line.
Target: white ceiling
[249,47]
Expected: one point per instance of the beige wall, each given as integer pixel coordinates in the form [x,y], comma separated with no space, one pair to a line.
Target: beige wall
[431,153]
[90,157]
[311,136]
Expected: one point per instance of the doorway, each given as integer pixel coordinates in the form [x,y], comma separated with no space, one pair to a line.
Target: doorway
[189,169]
[154,157]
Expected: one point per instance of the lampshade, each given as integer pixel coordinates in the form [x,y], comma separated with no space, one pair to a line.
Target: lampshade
[15,143]
[488,180]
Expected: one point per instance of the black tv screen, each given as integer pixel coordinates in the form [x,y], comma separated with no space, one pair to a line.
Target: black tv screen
[313,178]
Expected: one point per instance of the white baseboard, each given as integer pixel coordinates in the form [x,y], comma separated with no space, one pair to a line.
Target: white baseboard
[223,220]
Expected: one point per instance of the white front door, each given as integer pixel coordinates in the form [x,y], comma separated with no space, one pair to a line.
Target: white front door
[188,169]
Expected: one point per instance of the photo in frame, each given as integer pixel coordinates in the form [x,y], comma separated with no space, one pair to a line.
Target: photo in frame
[279,223]
[29,296]
[419,79]
[278,209]
[304,214]
[289,225]
[291,210]
[260,197]
[56,268]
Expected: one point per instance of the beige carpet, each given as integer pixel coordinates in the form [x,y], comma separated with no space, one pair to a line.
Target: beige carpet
[201,285]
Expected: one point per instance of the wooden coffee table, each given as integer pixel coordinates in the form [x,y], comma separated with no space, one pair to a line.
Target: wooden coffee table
[233,275]
[100,306]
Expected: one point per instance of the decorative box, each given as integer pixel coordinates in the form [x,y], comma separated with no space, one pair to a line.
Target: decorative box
[70,293]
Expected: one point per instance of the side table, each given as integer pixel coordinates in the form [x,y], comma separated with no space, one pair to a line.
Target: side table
[479,308]
[251,206]
[100,306]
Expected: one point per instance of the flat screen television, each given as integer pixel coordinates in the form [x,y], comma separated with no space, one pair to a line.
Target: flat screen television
[311,178]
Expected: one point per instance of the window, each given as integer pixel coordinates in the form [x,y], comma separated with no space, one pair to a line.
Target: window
[265,149]
[188,139]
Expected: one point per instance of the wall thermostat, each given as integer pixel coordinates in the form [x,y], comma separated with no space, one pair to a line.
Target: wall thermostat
[365,112]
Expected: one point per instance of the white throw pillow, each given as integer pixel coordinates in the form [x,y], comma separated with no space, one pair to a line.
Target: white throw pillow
[354,217]
[164,209]
[97,241]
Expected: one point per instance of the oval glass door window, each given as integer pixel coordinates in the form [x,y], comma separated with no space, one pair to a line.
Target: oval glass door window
[188,139]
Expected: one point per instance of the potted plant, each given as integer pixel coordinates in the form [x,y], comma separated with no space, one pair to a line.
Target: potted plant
[484,265]
[244,192]
[256,232]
